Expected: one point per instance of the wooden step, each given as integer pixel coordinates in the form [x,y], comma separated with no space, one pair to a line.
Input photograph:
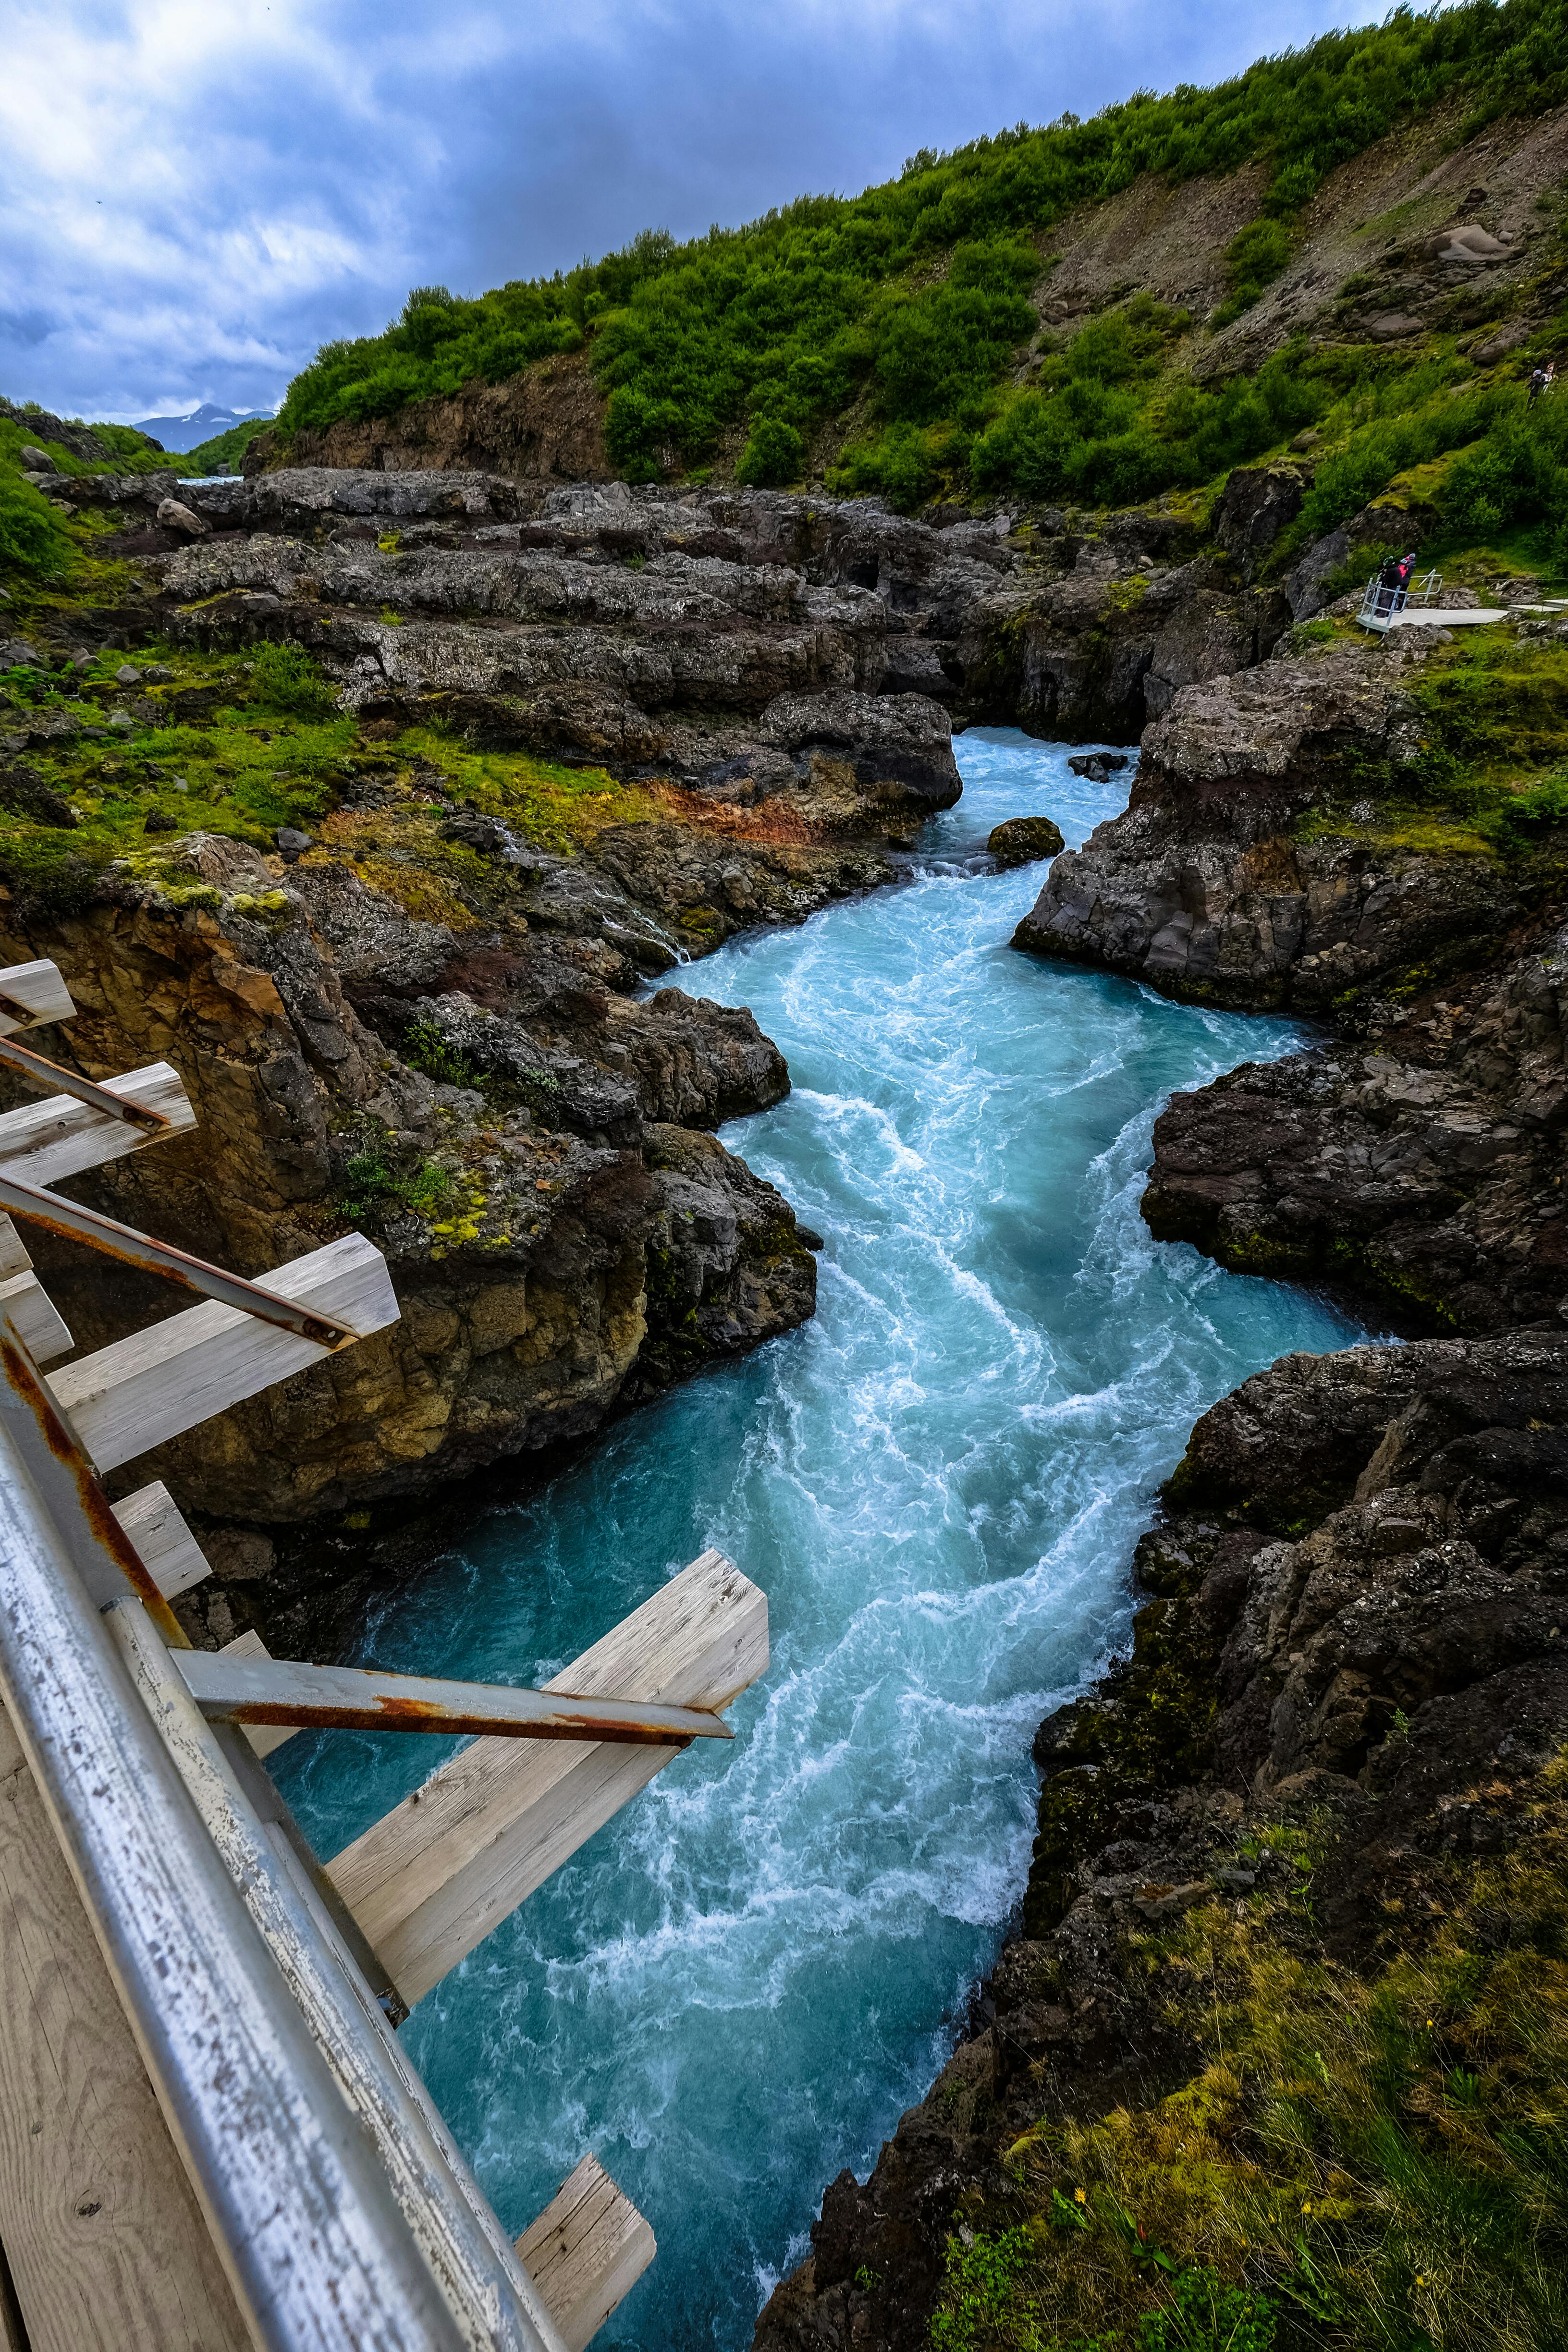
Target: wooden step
[142,1391]
[44,1141]
[32,1310]
[586,2252]
[431,1879]
[105,2241]
[169,1552]
[36,989]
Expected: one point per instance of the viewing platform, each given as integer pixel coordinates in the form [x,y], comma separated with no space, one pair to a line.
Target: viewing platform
[1420,607]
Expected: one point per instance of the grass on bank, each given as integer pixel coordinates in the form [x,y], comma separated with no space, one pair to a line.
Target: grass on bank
[246,744]
[36,540]
[1374,2160]
[1492,777]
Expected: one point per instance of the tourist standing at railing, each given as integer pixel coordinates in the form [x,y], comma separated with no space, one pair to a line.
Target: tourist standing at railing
[1386,599]
[1403,571]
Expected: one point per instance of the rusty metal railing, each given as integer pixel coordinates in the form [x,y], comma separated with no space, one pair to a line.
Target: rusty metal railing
[56,1215]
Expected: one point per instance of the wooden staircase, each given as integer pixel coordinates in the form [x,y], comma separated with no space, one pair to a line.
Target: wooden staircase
[209,2136]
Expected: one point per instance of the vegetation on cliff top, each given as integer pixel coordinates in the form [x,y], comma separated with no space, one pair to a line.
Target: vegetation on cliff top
[33,537]
[241,746]
[1369,2158]
[909,301]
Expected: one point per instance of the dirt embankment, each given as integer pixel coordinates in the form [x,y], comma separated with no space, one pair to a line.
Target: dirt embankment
[548,422]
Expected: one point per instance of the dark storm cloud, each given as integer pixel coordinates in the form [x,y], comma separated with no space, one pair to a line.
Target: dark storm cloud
[196,195]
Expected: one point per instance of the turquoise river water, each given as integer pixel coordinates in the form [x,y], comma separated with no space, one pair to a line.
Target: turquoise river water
[734,1990]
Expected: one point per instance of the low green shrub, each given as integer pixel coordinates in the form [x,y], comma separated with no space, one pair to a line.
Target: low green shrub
[429,1048]
[285,679]
[773,454]
[1255,257]
[374,1188]
[34,540]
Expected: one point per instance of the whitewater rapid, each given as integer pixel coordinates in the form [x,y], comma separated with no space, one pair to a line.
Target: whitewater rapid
[734,1990]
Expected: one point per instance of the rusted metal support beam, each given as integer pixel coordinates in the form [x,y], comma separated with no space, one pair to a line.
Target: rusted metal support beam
[50,1073]
[137,1249]
[362,1699]
[101,1552]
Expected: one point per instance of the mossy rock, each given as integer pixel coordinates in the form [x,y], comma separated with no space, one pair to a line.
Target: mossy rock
[1024,840]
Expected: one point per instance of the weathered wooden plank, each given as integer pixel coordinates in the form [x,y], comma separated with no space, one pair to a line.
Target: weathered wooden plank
[38,989]
[43,1141]
[34,1313]
[586,2251]
[136,1393]
[169,1552]
[263,1736]
[107,2246]
[429,1881]
[14,1258]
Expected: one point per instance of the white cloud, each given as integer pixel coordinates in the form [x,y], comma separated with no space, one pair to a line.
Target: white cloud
[197,193]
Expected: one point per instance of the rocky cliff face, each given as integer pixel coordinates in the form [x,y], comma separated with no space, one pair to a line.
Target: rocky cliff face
[1228,882]
[1345,1698]
[564,1234]
[641,626]
[548,422]
[1423,1162]
[1277,852]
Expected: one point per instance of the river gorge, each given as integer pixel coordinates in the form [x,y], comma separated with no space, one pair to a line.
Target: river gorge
[736,1988]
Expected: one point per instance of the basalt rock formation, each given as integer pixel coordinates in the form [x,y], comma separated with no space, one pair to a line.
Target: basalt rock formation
[637,626]
[1218,886]
[1426,1167]
[1263,863]
[1347,1684]
[565,1233]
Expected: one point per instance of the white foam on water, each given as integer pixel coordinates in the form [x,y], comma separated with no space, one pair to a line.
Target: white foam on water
[734,1990]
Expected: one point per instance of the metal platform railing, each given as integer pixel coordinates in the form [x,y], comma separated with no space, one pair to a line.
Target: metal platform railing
[1381,602]
[341,2209]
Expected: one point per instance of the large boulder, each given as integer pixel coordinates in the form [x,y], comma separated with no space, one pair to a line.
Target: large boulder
[1254,508]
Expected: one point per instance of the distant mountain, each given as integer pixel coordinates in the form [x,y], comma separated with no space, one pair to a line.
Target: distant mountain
[182,433]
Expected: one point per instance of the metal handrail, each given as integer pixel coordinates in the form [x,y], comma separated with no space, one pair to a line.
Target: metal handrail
[302,2216]
[45,1072]
[496,2304]
[107,1234]
[1381,602]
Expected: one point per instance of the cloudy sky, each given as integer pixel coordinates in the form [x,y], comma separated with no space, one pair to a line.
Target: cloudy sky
[195,193]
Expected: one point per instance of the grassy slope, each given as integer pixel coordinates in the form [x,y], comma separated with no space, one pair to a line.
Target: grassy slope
[906,307]
[224,451]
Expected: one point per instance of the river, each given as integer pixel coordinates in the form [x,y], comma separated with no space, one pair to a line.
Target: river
[734,1990]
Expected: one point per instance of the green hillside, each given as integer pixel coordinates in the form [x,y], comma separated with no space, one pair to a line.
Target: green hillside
[906,307]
